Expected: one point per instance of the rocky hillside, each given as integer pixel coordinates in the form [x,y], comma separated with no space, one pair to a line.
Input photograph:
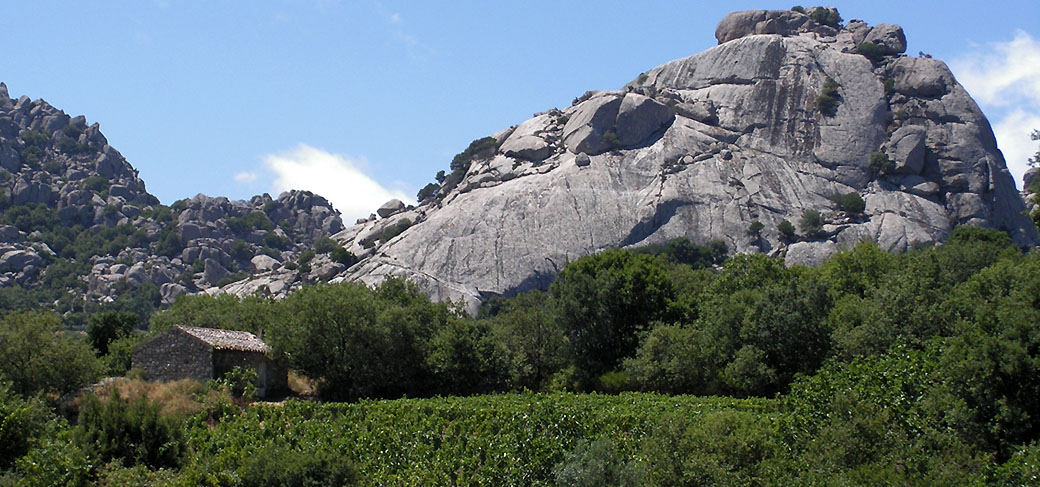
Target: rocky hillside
[78,227]
[796,135]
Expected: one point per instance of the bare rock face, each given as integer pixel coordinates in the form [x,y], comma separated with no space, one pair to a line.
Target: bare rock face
[702,147]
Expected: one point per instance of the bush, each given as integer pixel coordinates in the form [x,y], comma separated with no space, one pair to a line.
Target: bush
[826,17]
[596,464]
[96,184]
[427,192]
[811,223]
[880,164]
[871,51]
[256,220]
[281,466]
[241,250]
[39,358]
[275,241]
[853,203]
[828,99]
[482,148]
[134,432]
[786,230]
[108,326]
[343,256]
[755,229]
[324,245]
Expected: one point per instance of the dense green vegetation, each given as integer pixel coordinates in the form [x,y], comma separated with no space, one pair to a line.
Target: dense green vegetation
[871,368]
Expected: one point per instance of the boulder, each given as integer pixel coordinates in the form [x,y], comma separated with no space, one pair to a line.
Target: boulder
[639,117]
[888,37]
[213,272]
[390,207]
[264,263]
[18,260]
[907,149]
[528,148]
[921,77]
[170,291]
[588,125]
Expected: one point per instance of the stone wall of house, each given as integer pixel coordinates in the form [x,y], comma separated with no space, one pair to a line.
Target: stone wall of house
[270,378]
[174,355]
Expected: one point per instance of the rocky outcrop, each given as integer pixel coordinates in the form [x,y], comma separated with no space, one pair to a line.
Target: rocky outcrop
[60,162]
[702,147]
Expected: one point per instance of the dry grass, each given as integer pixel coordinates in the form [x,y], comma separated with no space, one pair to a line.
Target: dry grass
[301,385]
[184,397]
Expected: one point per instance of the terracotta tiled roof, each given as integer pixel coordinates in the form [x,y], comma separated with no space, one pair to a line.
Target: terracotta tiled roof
[227,339]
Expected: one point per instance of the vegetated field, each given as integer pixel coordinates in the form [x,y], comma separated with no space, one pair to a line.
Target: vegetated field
[503,440]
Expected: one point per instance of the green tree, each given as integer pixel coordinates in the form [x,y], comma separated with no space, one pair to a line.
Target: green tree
[107,326]
[528,327]
[853,203]
[786,229]
[605,301]
[811,223]
[38,357]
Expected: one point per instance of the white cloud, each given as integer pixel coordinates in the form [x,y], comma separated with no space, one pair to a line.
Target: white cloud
[1004,77]
[1004,73]
[333,176]
[394,18]
[1013,136]
[246,177]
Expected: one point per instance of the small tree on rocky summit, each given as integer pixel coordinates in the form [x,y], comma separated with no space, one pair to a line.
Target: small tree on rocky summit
[786,230]
[811,223]
[828,99]
[880,164]
[1035,160]
[853,203]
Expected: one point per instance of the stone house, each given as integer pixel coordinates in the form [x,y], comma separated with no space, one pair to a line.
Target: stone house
[186,352]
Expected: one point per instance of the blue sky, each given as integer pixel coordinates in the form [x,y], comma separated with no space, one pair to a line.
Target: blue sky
[363,101]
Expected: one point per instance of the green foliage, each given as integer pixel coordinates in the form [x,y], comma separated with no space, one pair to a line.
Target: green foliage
[798,8]
[880,164]
[240,382]
[482,148]
[324,245]
[343,256]
[39,358]
[853,203]
[108,326]
[826,17]
[96,184]
[256,220]
[170,243]
[509,440]
[427,192]
[811,223]
[682,251]
[22,422]
[829,98]
[786,229]
[275,241]
[724,447]
[871,51]
[241,250]
[534,339]
[605,301]
[890,86]
[133,432]
[224,311]
[359,342]
[596,464]
[755,229]
[281,466]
